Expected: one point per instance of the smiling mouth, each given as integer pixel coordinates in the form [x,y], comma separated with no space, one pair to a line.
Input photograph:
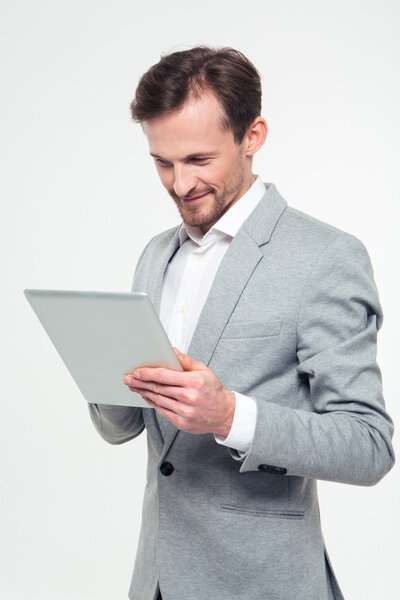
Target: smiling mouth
[193,199]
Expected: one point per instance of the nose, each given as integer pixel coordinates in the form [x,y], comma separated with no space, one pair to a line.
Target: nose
[184,181]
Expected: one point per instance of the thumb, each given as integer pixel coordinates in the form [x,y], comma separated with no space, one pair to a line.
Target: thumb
[188,363]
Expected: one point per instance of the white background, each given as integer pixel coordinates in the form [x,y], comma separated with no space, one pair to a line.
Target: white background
[79,199]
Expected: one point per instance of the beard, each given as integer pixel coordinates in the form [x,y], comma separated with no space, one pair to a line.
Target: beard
[215,205]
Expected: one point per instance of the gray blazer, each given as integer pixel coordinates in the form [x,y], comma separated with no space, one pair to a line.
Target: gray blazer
[291,320]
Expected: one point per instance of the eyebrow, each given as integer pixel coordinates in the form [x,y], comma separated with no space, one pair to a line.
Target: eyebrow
[195,155]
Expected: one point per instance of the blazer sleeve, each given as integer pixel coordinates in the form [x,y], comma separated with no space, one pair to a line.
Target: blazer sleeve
[117,424]
[346,434]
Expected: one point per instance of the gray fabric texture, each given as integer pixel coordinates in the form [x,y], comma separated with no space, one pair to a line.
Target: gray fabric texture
[291,320]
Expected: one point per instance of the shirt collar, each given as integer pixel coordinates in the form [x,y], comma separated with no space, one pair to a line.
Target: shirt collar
[231,221]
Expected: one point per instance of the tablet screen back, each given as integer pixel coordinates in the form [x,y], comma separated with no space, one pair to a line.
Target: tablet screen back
[100,336]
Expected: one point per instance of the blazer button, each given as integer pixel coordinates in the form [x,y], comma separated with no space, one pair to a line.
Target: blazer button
[279,470]
[265,468]
[166,468]
[272,469]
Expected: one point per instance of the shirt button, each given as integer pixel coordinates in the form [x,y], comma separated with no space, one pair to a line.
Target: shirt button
[183,308]
[200,256]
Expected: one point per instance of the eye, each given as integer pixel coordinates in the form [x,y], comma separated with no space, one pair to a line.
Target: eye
[162,163]
[199,160]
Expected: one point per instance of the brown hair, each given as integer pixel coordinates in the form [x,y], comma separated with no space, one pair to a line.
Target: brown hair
[177,77]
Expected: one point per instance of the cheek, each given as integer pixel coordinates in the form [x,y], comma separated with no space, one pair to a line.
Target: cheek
[223,172]
[213,176]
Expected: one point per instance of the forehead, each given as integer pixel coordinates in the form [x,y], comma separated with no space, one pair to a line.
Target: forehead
[192,129]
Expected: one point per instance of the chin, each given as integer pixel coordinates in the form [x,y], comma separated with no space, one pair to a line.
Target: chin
[198,220]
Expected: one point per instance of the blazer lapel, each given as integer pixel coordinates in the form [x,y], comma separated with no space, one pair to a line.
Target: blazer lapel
[160,262]
[236,268]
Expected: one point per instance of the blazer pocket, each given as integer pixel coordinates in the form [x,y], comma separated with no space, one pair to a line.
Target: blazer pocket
[252,329]
[272,513]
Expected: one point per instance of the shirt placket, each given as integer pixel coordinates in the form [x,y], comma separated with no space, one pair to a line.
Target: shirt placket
[192,277]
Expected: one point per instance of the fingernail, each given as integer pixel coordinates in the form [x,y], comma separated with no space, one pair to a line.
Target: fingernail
[136,374]
[127,379]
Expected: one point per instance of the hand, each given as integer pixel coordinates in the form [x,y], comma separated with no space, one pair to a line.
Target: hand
[193,400]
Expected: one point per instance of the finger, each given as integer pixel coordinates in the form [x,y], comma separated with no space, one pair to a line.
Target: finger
[157,375]
[189,363]
[181,394]
[164,402]
[170,376]
[150,402]
[175,419]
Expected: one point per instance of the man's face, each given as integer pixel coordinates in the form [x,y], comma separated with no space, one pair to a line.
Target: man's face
[199,164]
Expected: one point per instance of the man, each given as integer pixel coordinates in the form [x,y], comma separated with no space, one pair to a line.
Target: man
[274,316]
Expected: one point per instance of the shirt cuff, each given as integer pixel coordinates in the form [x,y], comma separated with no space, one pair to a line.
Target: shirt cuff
[243,426]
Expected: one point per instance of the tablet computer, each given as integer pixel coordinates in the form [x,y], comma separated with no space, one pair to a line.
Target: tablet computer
[101,336]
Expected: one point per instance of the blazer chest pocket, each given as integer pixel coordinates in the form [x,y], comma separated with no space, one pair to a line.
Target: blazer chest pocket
[261,512]
[252,329]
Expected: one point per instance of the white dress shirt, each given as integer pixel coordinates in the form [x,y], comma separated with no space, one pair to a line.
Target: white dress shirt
[187,282]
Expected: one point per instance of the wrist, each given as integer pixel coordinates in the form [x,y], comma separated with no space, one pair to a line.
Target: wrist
[226,425]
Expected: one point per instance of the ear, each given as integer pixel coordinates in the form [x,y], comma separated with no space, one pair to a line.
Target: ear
[255,136]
